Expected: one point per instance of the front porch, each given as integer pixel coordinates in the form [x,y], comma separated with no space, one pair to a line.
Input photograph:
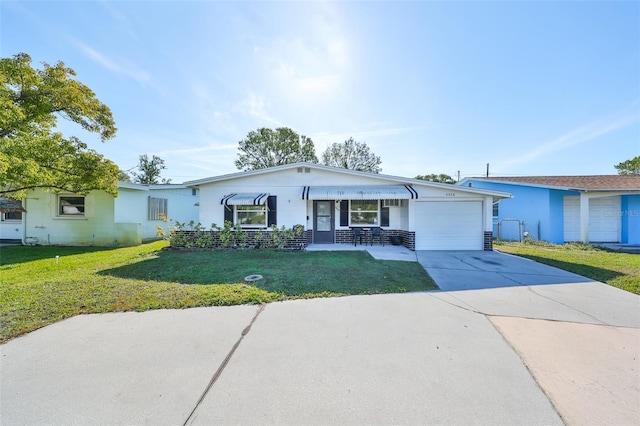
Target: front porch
[388,252]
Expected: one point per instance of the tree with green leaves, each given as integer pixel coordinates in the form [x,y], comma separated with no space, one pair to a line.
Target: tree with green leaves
[352,155]
[629,167]
[32,153]
[441,178]
[265,147]
[149,170]
[124,176]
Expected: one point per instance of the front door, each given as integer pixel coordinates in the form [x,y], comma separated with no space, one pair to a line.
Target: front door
[323,222]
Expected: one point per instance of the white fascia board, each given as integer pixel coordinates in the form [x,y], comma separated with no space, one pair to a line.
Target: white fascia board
[134,186]
[141,187]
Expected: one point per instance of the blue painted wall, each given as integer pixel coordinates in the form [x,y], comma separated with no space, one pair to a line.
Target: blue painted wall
[630,211]
[545,206]
[541,209]
[556,216]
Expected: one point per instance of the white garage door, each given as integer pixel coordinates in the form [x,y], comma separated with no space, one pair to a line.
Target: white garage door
[449,225]
[604,220]
[571,218]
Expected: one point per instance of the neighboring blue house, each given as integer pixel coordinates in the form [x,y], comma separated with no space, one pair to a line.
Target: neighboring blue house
[559,209]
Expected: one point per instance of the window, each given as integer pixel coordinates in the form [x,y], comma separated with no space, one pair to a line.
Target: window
[251,216]
[364,212]
[495,207]
[10,210]
[17,216]
[158,208]
[70,206]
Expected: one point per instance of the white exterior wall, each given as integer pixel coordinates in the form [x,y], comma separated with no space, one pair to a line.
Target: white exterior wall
[287,185]
[11,229]
[132,206]
[44,226]
[107,221]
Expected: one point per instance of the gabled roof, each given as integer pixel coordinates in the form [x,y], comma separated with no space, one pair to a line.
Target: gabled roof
[576,183]
[347,172]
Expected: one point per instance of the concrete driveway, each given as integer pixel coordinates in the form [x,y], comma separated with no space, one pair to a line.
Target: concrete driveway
[469,270]
[543,354]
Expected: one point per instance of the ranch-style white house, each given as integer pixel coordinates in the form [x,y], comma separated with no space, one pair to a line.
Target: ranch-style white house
[332,202]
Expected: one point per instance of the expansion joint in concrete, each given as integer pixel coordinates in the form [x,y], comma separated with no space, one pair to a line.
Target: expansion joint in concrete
[222,366]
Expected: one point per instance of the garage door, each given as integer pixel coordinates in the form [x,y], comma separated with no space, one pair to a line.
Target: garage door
[571,218]
[604,220]
[449,225]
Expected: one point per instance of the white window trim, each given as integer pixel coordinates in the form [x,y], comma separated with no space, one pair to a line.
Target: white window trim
[377,219]
[80,215]
[250,225]
[3,218]
[158,207]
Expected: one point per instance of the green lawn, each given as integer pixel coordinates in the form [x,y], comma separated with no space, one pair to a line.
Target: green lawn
[36,291]
[620,270]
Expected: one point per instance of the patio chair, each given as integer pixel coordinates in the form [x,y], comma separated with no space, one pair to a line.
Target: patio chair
[358,233]
[377,232]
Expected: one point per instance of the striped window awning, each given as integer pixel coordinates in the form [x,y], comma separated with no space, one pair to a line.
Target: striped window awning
[9,205]
[245,198]
[360,192]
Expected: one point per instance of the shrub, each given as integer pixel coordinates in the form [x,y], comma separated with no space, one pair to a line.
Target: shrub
[194,235]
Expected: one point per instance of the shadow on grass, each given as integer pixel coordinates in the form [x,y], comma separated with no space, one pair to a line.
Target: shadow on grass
[290,273]
[593,272]
[11,255]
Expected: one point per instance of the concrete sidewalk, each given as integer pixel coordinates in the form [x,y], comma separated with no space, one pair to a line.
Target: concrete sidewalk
[416,358]
[379,252]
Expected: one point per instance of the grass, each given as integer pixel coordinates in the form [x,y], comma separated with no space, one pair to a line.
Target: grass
[36,291]
[620,270]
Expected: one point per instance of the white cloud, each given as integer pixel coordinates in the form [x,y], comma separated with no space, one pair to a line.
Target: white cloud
[306,63]
[120,18]
[188,152]
[255,106]
[118,66]
[577,136]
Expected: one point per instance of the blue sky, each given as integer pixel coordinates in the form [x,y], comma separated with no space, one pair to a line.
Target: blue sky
[533,88]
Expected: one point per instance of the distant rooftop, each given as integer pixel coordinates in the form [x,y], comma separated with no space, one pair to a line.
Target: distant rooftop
[586,183]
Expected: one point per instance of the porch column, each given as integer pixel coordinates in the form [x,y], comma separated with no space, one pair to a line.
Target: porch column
[488,214]
[584,218]
[487,234]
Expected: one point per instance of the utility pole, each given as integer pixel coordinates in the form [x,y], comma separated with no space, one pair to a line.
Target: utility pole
[487,169]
